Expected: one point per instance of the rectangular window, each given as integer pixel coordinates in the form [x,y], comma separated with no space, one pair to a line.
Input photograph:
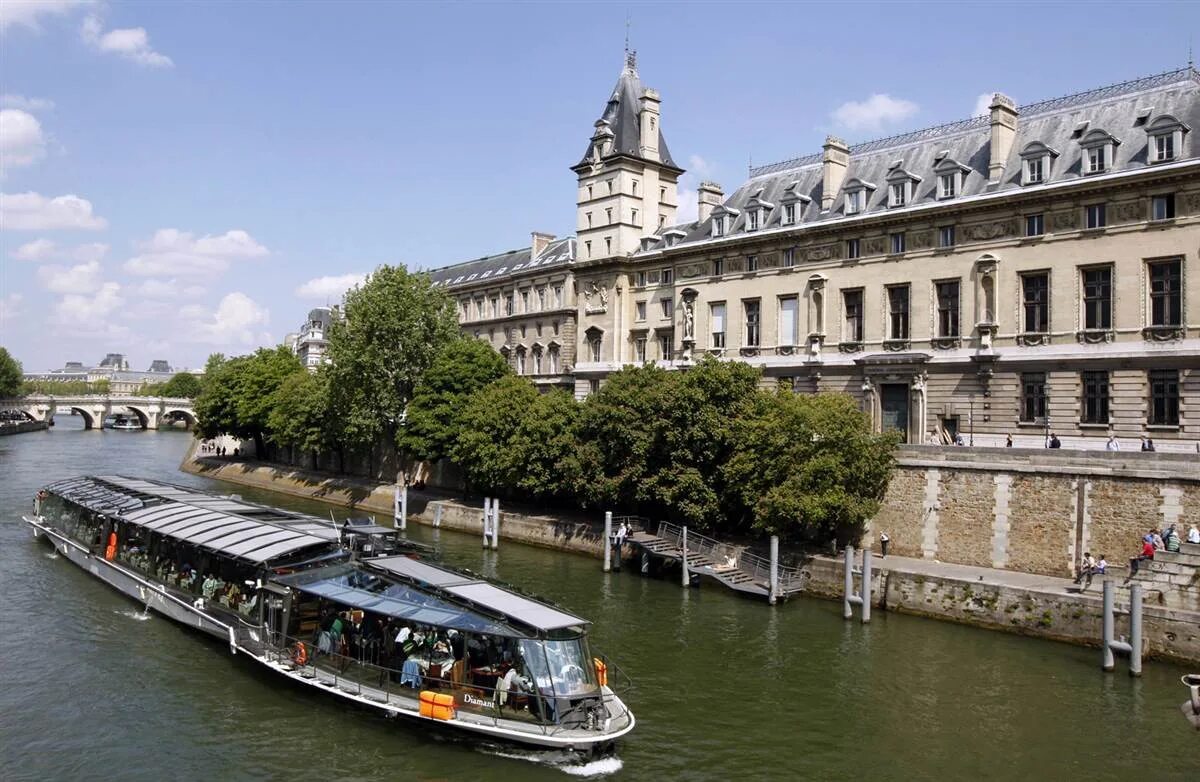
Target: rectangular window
[1097,216]
[594,347]
[753,312]
[1096,160]
[1166,293]
[718,267]
[508,304]
[558,299]
[852,303]
[947,304]
[667,276]
[752,220]
[718,226]
[662,220]
[899,193]
[1164,397]
[898,243]
[662,194]
[589,219]
[789,213]
[1034,225]
[854,202]
[946,236]
[639,279]
[1097,298]
[608,245]
[898,312]
[1164,147]
[537,362]
[541,297]
[552,354]
[1033,396]
[608,215]
[639,310]
[852,250]
[948,184]
[635,184]
[789,258]
[716,319]
[1162,207]
[751,263]
[495,306]
[524,300]
[639,350]
[634,217]
[1033,171]
[666,345]
[668,307]
[1035,294]
[1095,397]
[788,320]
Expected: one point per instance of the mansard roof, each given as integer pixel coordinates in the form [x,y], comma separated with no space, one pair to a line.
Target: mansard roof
[622,115]
[1115,108]
[503,266]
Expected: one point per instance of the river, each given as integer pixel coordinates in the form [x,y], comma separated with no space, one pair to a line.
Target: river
[726,688]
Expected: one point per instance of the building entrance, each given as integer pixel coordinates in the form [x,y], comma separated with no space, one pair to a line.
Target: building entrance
[893,402]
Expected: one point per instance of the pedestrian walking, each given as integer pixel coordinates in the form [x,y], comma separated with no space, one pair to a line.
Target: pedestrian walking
[884,540]
[1008,441]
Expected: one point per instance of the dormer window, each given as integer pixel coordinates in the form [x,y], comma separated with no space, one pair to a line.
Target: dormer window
[722,218]
[757,211]
[793,204]
[752,220]
[857,192]
[1099,150]
[901,187]
[950,174]
[1036,162]
[718,226]
[1166,138]
[789,214]
[947,185]
[854,202]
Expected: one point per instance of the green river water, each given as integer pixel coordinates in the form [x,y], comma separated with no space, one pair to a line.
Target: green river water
[726,688]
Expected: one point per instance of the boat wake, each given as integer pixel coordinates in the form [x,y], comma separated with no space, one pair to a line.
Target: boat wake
[141,616]
[51,555]
[566,763]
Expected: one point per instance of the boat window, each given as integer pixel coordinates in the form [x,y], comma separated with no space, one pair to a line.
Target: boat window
[565,663]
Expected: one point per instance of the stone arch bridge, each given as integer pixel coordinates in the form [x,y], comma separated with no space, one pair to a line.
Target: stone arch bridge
[150,411]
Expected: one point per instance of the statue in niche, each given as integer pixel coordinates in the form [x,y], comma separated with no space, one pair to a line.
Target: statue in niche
[596,296]
[689,319]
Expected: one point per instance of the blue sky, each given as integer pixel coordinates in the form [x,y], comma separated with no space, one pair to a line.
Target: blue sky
[182,178]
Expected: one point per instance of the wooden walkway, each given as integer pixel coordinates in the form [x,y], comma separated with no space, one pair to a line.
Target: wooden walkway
[707,558]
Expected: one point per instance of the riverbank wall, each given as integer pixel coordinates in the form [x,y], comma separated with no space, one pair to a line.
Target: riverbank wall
[1032,605]
[20,427]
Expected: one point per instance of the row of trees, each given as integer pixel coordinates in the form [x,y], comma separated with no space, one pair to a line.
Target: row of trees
[181,385]
[10,374]
[706,446]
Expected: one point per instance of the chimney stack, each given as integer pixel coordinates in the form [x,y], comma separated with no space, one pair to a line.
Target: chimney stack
[649,119]
[1004,130]
[835,159]
[539,243]
[709,195]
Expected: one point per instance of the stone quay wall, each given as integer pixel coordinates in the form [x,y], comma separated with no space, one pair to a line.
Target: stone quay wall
[1032,510]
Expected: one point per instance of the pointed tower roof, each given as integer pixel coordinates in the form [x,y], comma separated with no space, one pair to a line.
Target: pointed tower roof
[621,115]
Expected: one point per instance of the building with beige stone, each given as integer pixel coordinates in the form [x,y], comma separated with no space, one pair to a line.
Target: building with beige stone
[1029,271]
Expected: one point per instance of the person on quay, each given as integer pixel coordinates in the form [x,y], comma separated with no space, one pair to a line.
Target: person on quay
[1087,569]
[1008,441]
[1113,443]
[1054,441]
[1147,444]
[884,540]
[1194,534]
[1147,554]
[1171,539]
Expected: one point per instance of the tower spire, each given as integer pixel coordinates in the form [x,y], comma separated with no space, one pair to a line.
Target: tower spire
[630,54]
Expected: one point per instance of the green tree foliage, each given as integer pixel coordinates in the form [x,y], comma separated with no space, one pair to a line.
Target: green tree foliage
[182,385]
[300,416]
[808,467]
[238,395]
[653,440]
[439,401]
[10,374]
[65,387]
[216,406]
[394,324]
[514,440]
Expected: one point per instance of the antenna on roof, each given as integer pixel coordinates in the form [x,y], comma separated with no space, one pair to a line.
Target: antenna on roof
[1190,62]
[630,55]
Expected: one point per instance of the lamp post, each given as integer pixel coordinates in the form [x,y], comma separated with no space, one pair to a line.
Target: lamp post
[1045,417]
[971,419]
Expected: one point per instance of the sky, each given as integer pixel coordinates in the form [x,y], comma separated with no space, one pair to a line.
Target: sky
[186,178]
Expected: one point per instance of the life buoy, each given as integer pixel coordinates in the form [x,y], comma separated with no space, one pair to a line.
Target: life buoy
[601,671]
[299,653]
[110,553]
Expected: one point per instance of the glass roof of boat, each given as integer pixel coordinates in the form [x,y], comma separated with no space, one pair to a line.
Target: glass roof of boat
[351,586]
[490,597]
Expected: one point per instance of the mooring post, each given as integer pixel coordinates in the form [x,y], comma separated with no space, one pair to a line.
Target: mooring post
[437,515]
[773,594]
[848,594]
[396,507]
[1135,630]
[1106,640]
[686,580]
[607,541]
[404,508]
[865,589]
[487,519]
[496,524]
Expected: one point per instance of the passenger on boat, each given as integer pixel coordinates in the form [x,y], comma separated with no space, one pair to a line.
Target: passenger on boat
[512,682]
[210,586]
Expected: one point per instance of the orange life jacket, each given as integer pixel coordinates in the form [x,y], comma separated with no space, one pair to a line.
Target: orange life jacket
[111,551]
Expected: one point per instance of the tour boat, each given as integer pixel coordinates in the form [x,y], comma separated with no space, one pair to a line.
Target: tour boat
[123,423]
[352,611]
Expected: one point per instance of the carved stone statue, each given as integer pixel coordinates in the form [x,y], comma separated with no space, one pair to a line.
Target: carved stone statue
[596,297]
[689,319]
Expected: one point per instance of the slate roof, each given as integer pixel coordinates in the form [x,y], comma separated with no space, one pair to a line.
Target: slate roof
[560,252]
[621,114]
[1114,109]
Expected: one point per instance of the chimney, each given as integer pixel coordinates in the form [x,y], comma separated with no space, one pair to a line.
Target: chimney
[835,159]
[539,243]
[710,195]
[649,118]
[1004,130]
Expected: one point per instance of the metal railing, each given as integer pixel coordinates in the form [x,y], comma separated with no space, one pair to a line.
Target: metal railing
[753,565]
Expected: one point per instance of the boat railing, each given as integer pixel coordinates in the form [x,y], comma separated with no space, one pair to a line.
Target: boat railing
[357,675]
[740,557]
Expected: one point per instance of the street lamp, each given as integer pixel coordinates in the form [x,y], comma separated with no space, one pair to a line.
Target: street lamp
[971,419]
[1045,417]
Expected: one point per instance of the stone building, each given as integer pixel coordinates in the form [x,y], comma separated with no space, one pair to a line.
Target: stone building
[1026,271]
[310,342]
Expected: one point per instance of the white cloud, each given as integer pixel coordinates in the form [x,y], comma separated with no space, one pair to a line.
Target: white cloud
[331,287]
[92,251]
[21,139]
[35,212]
[172,252]
[132,43]
[83,278]
[237,320]
[981,104]
[698,170]
[10,307]
[11,100]
[37,250]
[25,13]
[167,289]
[873,113]
[89,313]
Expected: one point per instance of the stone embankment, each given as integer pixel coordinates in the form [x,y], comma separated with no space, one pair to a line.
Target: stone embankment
[1044,606]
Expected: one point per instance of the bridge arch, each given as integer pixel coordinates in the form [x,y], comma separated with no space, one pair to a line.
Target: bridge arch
[143,416]
[89,418]
[178,412]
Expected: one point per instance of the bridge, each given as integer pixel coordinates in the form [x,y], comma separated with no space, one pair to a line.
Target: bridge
[150,411]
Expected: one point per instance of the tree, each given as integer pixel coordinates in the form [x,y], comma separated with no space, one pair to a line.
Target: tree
[10,375]
[216,406]
[808,467]
[440,399]
[182,385]
[263,374]
[300,416]
[394,325]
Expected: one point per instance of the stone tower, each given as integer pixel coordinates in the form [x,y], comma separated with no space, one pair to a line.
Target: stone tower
[628,182]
